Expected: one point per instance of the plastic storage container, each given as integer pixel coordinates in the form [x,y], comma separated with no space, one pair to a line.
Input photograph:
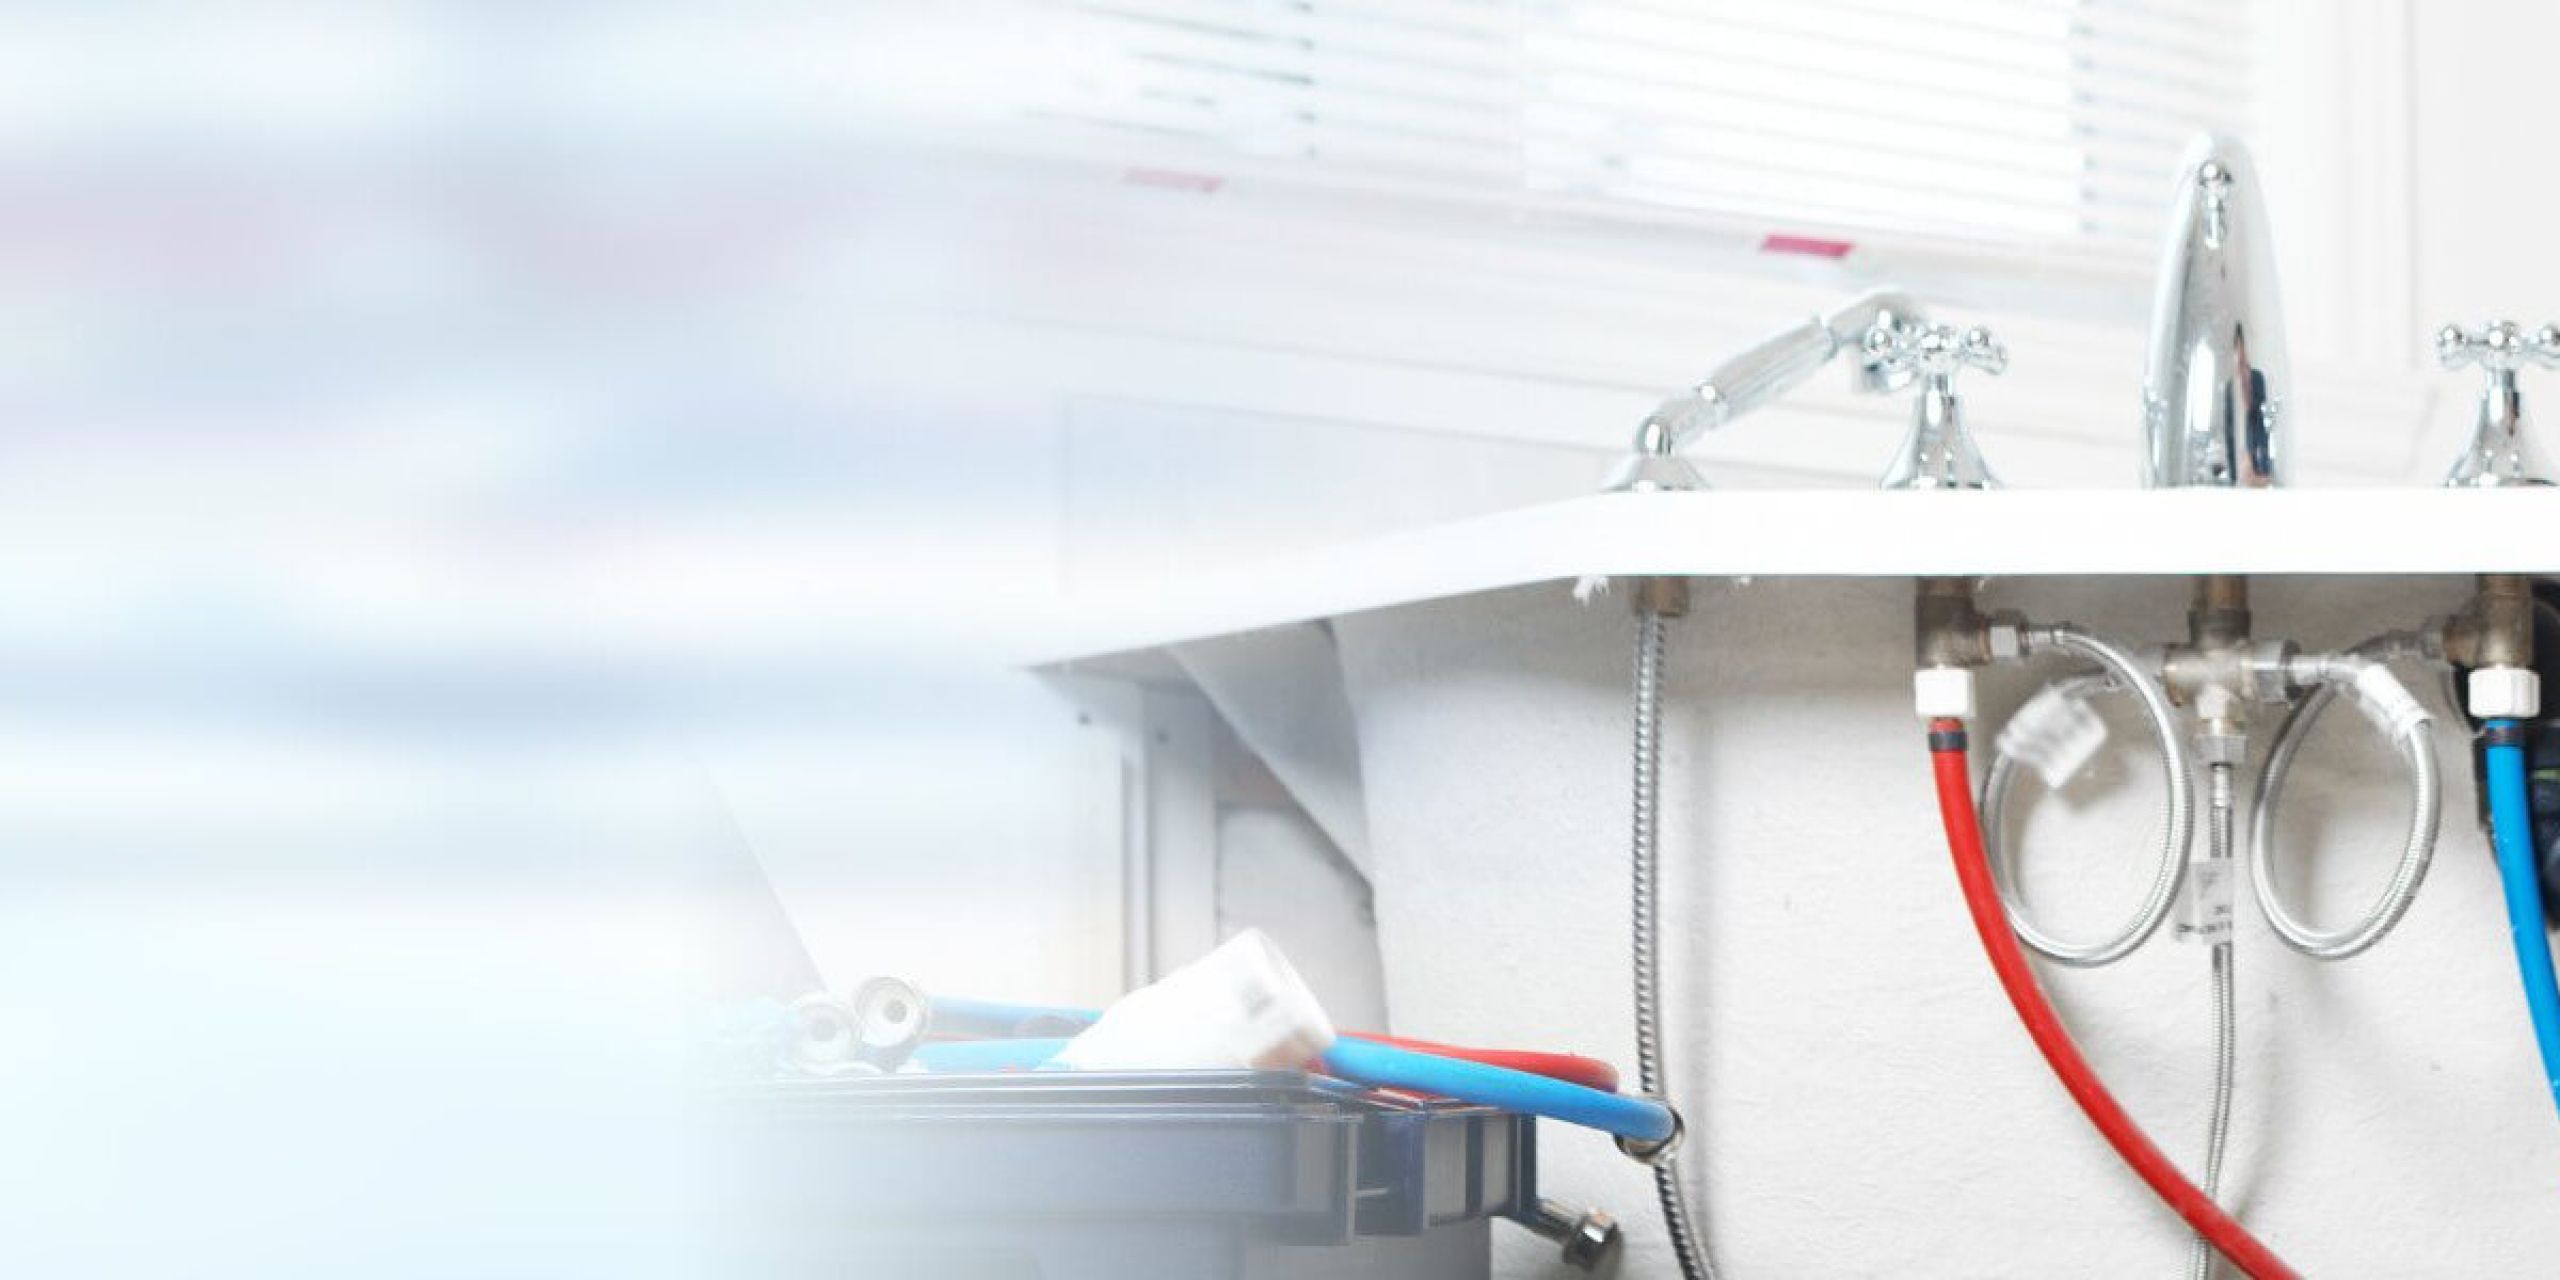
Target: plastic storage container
[1090,1176]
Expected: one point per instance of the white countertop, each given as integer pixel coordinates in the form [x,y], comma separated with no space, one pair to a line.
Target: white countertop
[1843,533]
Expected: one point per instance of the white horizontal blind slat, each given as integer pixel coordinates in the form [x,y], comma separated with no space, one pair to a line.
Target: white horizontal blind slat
[2048,126]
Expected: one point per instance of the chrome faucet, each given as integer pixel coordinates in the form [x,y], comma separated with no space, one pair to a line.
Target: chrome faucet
[1937,453]
[2500,454]
[1755,378]
[2214,390]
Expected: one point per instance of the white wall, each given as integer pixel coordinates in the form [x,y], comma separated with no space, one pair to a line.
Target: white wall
[2480,189]
[2483,245]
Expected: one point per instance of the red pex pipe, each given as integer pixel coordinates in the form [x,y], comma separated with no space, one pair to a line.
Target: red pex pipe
[1982,898]
[1590,1073]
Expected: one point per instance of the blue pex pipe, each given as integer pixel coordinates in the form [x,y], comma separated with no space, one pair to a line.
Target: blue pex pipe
[2511,829]
[986,1055]
[1005,1020]
[1386,1067]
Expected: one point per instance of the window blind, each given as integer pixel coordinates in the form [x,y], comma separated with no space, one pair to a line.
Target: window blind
[2048,125]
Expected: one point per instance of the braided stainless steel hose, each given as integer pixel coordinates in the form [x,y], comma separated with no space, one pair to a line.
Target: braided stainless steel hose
[2226,1021]
[2417,751]
[1644,860]
[2177,833]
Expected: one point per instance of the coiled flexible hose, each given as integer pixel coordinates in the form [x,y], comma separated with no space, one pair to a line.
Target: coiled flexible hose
[2177,833]
[1990,922]
[1644,858]
[2511,830]
[2119,672]
[2416,750]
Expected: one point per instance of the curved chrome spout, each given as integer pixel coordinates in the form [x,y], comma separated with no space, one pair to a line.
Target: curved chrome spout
[2215,391]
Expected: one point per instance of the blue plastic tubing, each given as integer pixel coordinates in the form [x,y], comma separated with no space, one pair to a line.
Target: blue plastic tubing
[986,1055]
[1387,1067]
[2511,828]
[1003,1019]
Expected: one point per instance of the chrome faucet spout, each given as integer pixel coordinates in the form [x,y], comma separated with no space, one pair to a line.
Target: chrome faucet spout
[2215,388]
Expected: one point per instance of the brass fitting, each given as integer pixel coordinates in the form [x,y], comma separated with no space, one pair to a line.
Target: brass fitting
[1947,630]
[2218,616]
[2496,628]
[1667,597]
[1589,1239]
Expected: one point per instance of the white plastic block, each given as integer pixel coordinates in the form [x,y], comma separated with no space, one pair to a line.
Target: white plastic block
[2389,704]
[2056,734]
[1942,693]
[2505,693]
[1241,1005]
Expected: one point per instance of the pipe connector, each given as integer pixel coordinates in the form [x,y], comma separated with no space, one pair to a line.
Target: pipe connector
[1660,596]
[1660,1150]
[891,1019]
[1950,637]
[1943,693]
[1949,631]
[824,1039]
[2504,693]
[2496,628]
[2493,635]
[1590,1240]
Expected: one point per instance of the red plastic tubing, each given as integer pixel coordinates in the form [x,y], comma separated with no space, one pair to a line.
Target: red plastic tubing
[1982,898]
[1590,1073]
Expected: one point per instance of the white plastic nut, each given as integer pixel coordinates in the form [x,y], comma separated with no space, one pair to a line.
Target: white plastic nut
[2505,693]
[1942,693]
[1238,1006]
[822,1034]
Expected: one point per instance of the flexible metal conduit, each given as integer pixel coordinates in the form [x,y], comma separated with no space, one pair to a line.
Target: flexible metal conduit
[2177,807]
[1644,861]
[2425,800]
[2226,1021]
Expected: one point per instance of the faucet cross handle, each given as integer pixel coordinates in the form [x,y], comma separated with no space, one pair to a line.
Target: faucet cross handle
[2502,452]
[1938,453]
[1933,351]
[2499,346]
